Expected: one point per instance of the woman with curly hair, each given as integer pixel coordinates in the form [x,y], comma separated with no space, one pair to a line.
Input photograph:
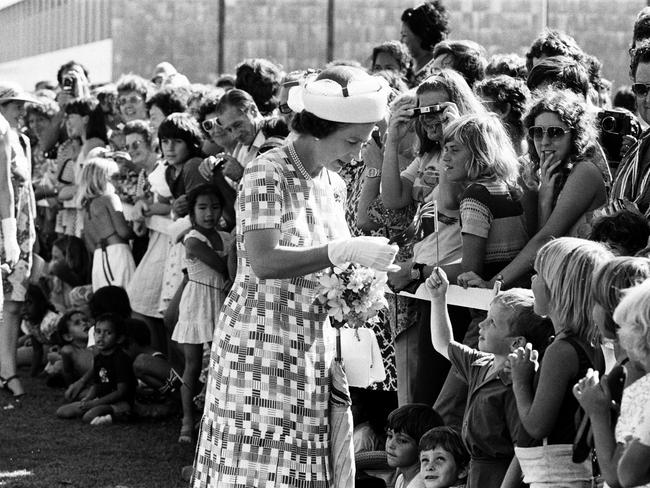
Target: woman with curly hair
[422,28]
[561,135]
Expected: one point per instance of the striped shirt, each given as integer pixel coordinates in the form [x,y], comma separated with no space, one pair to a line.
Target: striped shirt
[490,210]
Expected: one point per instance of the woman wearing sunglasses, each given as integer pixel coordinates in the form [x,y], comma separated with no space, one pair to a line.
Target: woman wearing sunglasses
[561,137]
[131,95]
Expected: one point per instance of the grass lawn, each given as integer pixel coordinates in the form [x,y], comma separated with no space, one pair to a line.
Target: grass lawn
[38,450]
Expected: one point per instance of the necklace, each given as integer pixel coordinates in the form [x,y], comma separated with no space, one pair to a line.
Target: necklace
[294,156]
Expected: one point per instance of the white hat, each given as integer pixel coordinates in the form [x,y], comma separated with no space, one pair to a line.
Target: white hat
[361,101]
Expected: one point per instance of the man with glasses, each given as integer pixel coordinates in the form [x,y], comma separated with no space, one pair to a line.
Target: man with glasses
[238,115]
[632,181]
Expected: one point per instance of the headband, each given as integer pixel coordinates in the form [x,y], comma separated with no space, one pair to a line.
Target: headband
[360,102]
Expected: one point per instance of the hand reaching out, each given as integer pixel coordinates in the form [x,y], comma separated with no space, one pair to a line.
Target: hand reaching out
[437,284]
[523,363]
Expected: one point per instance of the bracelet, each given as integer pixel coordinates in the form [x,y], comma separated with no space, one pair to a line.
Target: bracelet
[373,172]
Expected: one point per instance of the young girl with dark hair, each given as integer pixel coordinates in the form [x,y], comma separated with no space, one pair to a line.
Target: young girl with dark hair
[208,280]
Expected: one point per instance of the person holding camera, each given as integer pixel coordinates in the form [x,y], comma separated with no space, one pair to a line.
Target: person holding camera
[439,99]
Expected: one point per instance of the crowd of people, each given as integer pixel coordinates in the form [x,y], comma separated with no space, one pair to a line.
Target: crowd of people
[162,242]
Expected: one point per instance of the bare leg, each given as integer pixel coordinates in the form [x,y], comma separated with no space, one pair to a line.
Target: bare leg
[193,354]
[9,325]
[70,411]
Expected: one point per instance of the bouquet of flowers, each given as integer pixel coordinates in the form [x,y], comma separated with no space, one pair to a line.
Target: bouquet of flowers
[354,294]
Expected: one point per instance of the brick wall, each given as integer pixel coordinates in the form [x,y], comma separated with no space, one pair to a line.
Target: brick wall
[294,32]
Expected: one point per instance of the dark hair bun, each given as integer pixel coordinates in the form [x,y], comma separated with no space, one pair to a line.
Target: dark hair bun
[310,124]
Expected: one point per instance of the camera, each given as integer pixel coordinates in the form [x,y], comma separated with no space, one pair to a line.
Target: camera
[429,110]
[613,125]
[69,83]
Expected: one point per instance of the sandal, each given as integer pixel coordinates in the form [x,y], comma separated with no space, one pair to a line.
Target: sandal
[185,436]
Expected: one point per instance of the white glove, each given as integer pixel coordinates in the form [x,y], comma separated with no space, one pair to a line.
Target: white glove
[372,252]
[10,241]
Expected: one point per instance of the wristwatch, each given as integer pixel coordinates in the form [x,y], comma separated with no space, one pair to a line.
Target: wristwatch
[417,272]
[373,172]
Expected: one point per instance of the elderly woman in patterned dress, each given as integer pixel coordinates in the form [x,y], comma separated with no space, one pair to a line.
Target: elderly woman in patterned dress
[266,410]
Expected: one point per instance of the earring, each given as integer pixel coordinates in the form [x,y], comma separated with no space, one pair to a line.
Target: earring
[316,138]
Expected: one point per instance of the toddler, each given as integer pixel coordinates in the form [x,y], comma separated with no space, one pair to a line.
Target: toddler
[76,358]
[113,388]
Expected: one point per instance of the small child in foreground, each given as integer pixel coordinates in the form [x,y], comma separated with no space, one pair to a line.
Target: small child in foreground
[113,388]
[444,460]
[491,424]
[76,358]
[406,425]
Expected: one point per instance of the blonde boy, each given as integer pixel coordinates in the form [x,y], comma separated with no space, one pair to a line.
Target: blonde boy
[491,424]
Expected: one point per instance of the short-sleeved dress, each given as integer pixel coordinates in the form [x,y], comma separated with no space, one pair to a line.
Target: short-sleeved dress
[265,422]
[202,297]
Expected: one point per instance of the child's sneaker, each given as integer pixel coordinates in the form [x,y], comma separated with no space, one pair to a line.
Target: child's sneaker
[102,420]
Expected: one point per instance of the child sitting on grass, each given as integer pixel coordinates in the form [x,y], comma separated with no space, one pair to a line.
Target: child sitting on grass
[444,460]
[76,358]
[406,425]
[491,424]
[114,383]
[39,321]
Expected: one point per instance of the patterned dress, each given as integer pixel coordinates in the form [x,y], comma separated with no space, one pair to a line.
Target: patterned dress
[265,422]
[15,284]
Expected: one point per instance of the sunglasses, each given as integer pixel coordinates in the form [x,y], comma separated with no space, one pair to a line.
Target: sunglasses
[640,89]
[134,146]
[210,124]
[284,109]
[133,100]
[554,132]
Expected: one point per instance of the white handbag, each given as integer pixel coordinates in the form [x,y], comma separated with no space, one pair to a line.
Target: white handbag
[362,360]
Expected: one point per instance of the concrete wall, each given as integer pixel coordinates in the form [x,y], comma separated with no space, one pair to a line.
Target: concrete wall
[294,32]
